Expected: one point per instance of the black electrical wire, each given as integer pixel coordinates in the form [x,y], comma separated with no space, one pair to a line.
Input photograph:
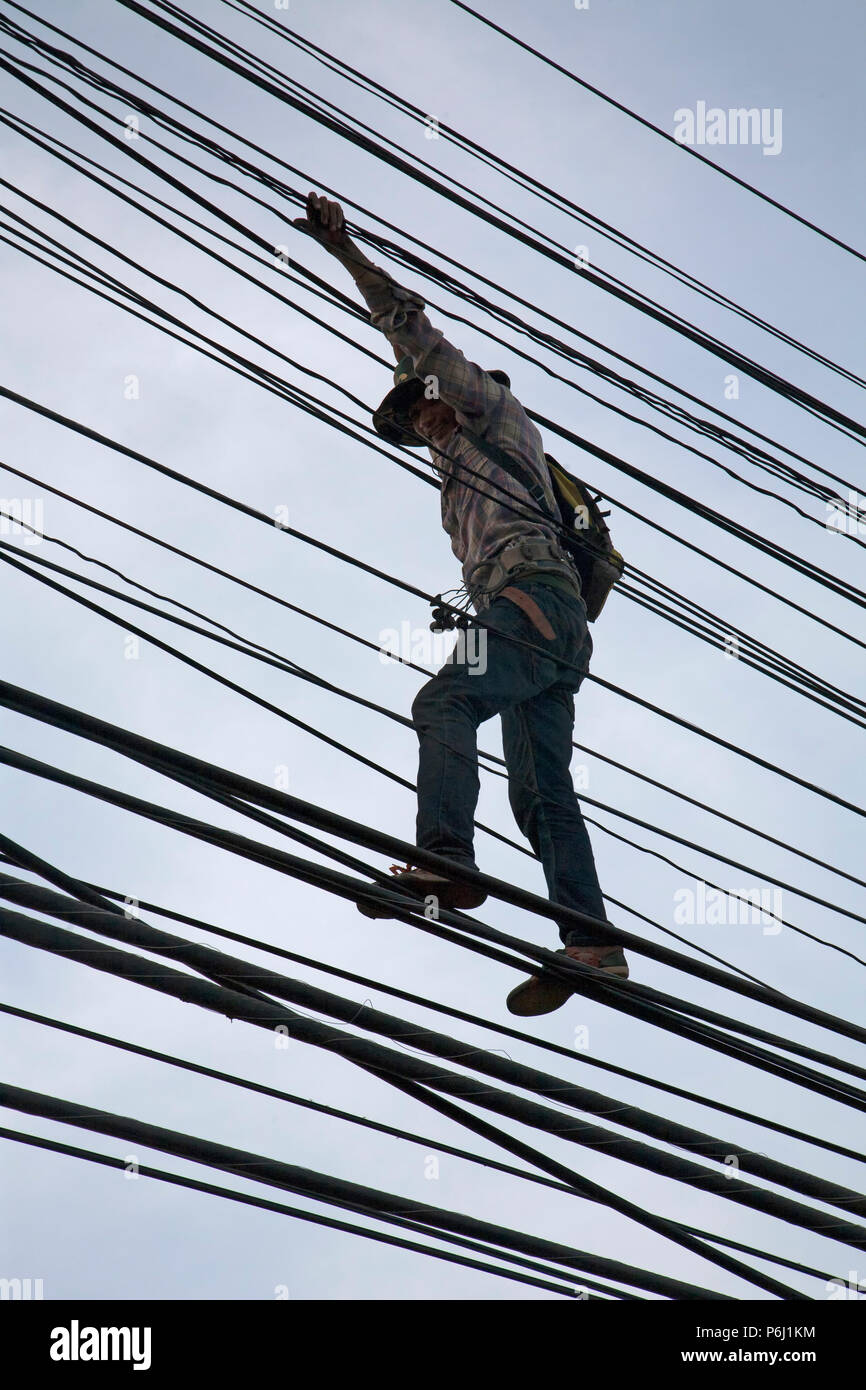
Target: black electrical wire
[624,589]
[720,637]
[264,1204]
[274,1093]
[751,452]
[729,630]
[420,1075]
[376,1126]
[166,284]
[501,165]
[642,519]
[268,379]
[204,142]
[313,284]
[674,1231]
[701,510]
[602,827]
[175,288]
[437,1007]
[306,727]
[831,416]
[137,156]
[335,1191]
[639,1001]
[449,1108]
[383,1067]
[513,174]
[657,130]
[80,263]
[737,572]
[373,646]
[316,98]
[824,493]
[377,1060]
[635,991]
[147,1171]
[659,609]
[409,588]
[136,747]
[223,680]
[272,658]
[169,178]
[488,1248]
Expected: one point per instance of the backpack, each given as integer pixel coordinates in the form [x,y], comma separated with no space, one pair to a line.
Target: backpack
[586,537]
[583,531]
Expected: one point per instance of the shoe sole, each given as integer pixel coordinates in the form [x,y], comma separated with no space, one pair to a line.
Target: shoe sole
[543,994]
[463,899]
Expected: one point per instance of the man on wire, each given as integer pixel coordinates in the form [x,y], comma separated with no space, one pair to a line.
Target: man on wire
[500,511]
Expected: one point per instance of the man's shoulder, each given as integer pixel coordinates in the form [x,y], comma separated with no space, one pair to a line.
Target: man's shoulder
[509,427]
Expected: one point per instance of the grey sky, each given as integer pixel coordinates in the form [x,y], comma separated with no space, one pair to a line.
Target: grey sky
[90,1233]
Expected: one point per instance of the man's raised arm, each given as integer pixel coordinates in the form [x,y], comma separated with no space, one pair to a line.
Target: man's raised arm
[399,314]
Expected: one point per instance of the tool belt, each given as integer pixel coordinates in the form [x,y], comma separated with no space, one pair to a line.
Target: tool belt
[529,555]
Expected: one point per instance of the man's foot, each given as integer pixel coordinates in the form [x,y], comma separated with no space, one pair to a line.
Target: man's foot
[541,994]
[423,882]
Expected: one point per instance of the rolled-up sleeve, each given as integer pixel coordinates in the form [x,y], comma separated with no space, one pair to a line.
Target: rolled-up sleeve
[399,314]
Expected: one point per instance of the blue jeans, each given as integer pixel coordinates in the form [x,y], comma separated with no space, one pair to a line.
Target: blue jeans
[533,692]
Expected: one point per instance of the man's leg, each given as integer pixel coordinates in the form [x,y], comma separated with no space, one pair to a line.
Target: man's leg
[536,738]
[489,673]
[537,741]
[485,673]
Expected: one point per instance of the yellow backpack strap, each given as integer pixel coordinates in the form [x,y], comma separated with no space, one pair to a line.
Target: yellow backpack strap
[566,483]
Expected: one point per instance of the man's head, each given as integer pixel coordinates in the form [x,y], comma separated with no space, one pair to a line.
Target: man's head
[406,415]
[433,420]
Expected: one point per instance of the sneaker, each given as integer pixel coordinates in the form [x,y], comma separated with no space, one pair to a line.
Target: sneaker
[426,884]
[541,994]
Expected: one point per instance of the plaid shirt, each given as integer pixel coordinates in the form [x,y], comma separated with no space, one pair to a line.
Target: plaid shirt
[480,526]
